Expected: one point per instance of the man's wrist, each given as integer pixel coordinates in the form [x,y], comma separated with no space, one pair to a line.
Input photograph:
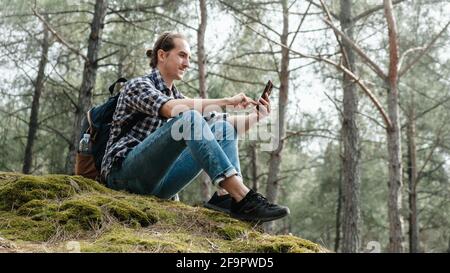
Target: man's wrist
[226,101]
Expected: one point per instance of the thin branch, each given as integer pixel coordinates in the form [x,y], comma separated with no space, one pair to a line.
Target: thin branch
[50,129]
[412,63]
[372,119]
[249,17]
[435,146]
[372,10]
[107,56]
[335,104]
[254,53]
[244,66]
[355,78]
[358,50]
[234,80]
[343,50]
[125,20]
[15,15]
[290,134]
[403,56]
[58,37]
[335,16]
[300,24]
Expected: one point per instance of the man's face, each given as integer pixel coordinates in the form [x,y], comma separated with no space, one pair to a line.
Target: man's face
[176,61]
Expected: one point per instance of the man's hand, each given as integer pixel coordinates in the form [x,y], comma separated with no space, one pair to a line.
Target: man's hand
[241,101]
[243,123]
[263,108]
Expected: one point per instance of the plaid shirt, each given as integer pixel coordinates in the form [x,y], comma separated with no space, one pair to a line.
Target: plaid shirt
[140,95]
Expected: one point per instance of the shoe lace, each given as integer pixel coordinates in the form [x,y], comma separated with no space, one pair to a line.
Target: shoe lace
[262,200]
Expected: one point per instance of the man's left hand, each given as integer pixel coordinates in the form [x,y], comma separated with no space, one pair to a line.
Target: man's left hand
[263,108]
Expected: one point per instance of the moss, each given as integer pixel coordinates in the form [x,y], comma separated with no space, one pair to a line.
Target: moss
[231,231]
[80,212]
[127,240]
[56,208]
[126,213]
[38,209]
[14,192]
[278,244]
[23,228]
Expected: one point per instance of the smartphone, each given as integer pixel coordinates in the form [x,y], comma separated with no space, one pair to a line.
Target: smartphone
[267,91]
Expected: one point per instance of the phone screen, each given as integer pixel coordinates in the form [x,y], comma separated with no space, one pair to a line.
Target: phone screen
[267,91]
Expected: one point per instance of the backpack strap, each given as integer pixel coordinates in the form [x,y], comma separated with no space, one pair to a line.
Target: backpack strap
[113,86]
[91,124]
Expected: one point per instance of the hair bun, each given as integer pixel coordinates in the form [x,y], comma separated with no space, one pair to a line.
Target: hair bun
[149,53]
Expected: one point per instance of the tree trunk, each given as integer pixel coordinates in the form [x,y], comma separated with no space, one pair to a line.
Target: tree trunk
[337,239]
[395,175]
[204,178]
[393,137]
[254,166]
[350,137]
[412,179]
[34,115]
[275,156]
[89,77]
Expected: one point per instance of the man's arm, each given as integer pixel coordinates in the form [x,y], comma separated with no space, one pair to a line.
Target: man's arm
[174,107]
[243,123]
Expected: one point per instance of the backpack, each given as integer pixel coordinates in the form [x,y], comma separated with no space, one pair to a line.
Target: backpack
[97,123]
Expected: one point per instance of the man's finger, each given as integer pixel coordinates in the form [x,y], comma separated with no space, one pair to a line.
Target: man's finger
[265,102]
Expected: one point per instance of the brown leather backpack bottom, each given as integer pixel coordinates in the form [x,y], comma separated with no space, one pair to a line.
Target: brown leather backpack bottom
[85,166]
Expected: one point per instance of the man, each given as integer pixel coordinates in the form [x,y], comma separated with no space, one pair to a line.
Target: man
[167,149]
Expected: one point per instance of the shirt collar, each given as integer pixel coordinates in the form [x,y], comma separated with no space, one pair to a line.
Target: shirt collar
[157,79]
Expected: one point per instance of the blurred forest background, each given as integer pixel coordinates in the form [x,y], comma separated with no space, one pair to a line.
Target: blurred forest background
[362,96]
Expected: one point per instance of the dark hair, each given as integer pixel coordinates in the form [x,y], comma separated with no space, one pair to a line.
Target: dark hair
[165,42]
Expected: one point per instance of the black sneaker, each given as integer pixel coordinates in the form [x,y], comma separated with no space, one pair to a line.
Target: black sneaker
[255,208]
[220,203]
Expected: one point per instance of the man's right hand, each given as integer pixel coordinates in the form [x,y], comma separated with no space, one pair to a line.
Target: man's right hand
[241,101]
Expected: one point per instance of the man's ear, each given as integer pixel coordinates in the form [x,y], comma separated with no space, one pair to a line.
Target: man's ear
[161,55]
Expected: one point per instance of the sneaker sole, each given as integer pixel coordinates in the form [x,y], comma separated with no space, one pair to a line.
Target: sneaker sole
[261,220]
[213,207]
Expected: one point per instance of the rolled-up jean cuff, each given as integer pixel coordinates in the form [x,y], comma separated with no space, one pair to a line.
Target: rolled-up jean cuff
[221,177]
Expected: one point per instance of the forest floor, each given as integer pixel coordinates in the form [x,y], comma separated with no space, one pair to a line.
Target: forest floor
[61,213]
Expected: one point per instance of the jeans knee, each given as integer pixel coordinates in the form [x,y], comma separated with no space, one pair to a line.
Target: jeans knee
[191,126]
[193,116]
[224,130]
[192,113]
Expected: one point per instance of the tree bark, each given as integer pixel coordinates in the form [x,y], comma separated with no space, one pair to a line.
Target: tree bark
[412,179]
[205,180]
[339,201]
[34,115]
[275,156]
[350,137]
[254,166]
[393,137]
[89,77]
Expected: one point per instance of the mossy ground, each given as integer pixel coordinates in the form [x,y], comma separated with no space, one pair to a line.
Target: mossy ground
[52,213]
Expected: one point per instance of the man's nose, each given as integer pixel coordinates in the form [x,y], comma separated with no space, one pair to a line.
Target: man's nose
[187,64]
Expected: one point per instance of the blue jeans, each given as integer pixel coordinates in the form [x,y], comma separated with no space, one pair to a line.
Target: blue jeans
[174,155]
